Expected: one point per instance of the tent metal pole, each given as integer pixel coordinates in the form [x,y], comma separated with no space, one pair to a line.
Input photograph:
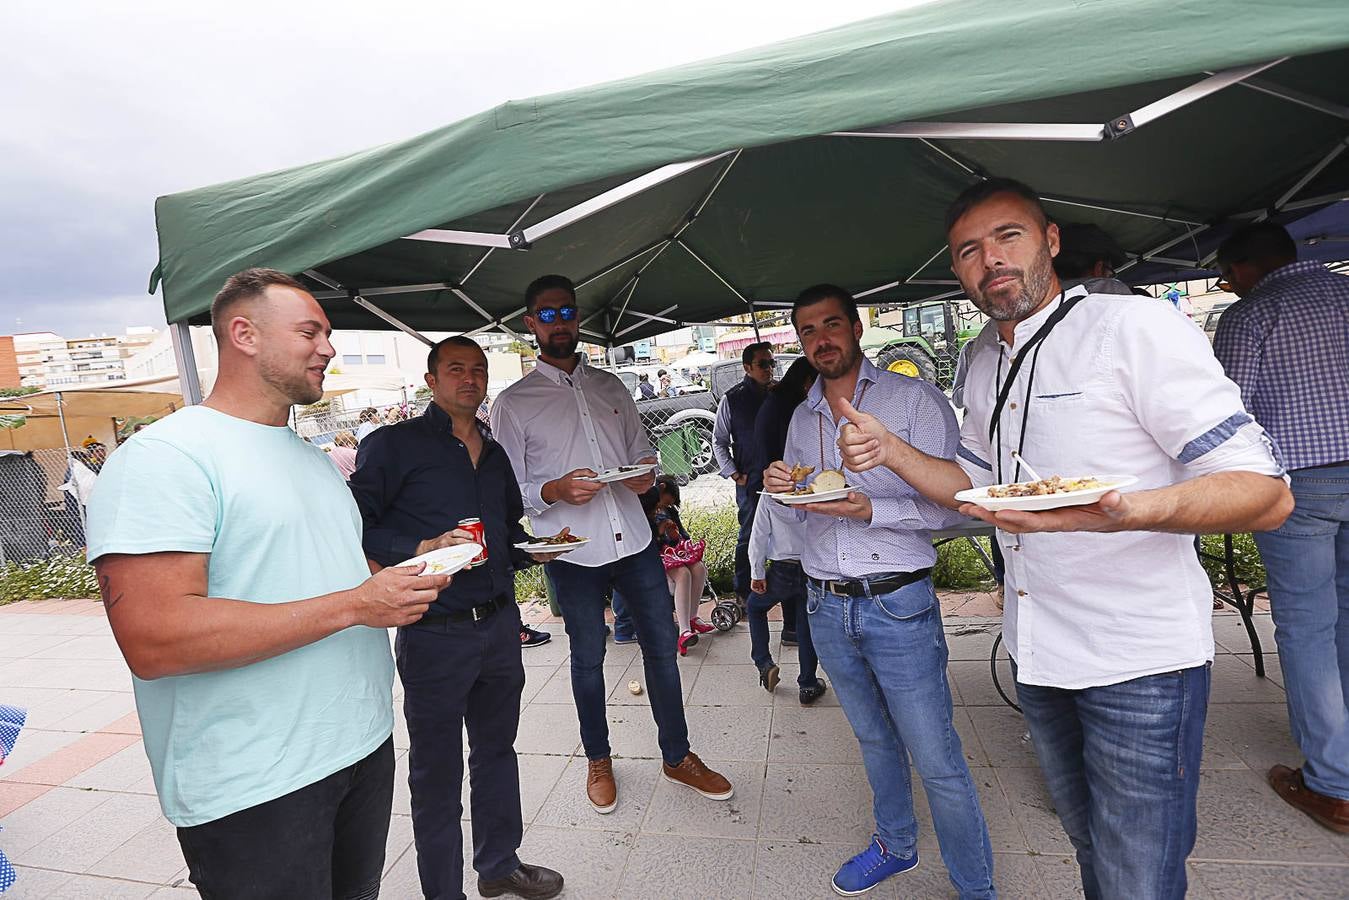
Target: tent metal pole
[392,320]
[1100,207]
[1311,173]
[185,357]
[467,238]
[603,201]
[877,289]
[1339,197]
[1149,254]
[635,255]
[385,291]
[1198,91]
[1301,99]
[648,317]
[514,225]
[473,304]
[964,167]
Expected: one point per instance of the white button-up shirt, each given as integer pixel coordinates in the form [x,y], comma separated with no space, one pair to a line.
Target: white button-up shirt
[777,534]
[552,423]
[1122,386]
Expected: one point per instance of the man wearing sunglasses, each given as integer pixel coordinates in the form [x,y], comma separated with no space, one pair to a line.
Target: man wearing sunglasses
[562,425]
[736,453]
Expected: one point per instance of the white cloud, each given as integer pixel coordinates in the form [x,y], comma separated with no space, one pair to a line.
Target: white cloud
[109,105]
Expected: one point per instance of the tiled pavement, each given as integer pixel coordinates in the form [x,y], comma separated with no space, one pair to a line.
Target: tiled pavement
[80,818]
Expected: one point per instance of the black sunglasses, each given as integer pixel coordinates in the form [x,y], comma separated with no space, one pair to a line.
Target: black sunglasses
[548,315]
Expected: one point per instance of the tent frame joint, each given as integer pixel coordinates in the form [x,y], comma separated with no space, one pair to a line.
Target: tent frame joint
[1118,127]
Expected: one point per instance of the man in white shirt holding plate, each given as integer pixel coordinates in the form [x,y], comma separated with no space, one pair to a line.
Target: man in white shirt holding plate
[1108,610]
[563,425]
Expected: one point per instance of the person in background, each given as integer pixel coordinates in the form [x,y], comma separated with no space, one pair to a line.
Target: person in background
[81,475]
[369,420]
[666,388]
[246,610]
[460,663]
[563,424]
[734,447]
[1284,344]
[1088,255]
[343,453]
[644,389]
[774,540]
[682,557]
[1115,706]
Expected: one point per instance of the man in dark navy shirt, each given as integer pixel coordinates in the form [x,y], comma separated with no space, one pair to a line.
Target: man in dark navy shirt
[460,665]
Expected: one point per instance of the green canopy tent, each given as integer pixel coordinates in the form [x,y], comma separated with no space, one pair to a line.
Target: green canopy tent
[714,188]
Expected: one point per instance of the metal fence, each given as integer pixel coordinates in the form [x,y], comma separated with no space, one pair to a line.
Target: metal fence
[37,518]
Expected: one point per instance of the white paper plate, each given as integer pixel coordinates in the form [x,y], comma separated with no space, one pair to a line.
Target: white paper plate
[979,496]
[541,547]
[446,560]
[817,497]
[622,473]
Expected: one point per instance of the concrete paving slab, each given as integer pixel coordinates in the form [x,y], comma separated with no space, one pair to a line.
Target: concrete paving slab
[682,867]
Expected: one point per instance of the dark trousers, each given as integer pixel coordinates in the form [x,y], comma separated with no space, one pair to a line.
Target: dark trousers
[786,584]
[457,676]
[746,502]
[580,593]
[325,840]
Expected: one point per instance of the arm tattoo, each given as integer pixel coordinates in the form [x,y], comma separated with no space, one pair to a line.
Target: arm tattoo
[105,588]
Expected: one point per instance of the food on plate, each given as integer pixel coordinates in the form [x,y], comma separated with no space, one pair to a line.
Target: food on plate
[562,537]
[435,568]
[1053,485]
[800,473]
[829,480]
[629,468]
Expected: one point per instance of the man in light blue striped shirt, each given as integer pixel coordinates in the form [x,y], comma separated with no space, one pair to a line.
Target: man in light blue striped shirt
[874,615]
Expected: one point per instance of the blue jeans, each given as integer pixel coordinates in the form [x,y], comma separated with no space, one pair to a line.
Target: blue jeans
[623,626]
[786,583]
[1307,565]
[886,655]
[746,502]
[1122,765]
[580,593]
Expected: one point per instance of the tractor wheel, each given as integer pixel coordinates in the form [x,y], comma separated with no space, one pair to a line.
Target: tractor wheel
[908,361]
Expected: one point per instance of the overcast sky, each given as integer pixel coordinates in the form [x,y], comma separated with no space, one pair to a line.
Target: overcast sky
[104,107]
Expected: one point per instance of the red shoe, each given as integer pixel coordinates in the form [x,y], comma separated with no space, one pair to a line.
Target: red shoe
[700,626]
[687,640]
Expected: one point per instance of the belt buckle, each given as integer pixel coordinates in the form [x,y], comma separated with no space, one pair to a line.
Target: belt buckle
[481,612]
[838,588]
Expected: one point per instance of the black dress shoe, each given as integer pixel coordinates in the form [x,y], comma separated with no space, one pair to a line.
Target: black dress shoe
[789,639]
[534,882]
[810,694]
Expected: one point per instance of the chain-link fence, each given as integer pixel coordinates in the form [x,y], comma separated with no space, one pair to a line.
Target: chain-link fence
[39,519]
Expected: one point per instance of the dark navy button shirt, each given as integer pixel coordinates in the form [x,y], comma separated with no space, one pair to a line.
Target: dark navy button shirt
[414,480]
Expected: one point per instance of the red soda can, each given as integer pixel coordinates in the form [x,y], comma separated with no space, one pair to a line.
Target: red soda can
[479,538]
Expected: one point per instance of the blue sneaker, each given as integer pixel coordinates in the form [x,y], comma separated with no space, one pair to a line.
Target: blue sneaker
[624,637]
[869,868]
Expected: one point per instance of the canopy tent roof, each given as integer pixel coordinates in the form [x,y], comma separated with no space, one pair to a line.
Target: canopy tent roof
[689,194]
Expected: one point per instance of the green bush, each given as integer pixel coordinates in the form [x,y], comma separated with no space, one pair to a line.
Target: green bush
[959,567]
[55,576]
[1250,568]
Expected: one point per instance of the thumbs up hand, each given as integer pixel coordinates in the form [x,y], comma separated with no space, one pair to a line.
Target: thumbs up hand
[863,440]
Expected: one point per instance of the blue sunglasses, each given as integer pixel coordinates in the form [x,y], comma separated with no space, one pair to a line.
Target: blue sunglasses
[548,315]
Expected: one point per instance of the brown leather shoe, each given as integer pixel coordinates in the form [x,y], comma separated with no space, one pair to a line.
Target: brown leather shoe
[534,882]
[600,786]
[693,774]
[1328,811]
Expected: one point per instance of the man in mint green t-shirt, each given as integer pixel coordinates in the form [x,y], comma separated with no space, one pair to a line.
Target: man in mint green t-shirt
[228,551]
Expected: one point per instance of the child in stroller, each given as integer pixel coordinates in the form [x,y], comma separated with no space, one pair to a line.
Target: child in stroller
[683,558]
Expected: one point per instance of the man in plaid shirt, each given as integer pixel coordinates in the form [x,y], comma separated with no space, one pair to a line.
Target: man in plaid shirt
[1286,345]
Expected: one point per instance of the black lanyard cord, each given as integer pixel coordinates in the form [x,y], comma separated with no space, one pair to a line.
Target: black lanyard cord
[1003,389]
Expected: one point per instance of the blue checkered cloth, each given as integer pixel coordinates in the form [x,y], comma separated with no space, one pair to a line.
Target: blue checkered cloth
[11,723]
[1286,345]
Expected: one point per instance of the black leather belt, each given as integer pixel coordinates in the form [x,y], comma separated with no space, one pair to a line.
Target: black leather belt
[873,584]
[476,614]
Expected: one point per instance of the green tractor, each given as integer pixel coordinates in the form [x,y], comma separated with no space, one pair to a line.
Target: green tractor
[927,343]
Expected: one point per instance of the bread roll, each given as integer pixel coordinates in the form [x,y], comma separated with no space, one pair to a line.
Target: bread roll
[828,480]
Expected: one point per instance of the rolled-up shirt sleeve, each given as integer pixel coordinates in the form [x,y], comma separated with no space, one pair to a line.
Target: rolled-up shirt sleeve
[721,439]
[508,433]
[1180,395]
[374,484]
